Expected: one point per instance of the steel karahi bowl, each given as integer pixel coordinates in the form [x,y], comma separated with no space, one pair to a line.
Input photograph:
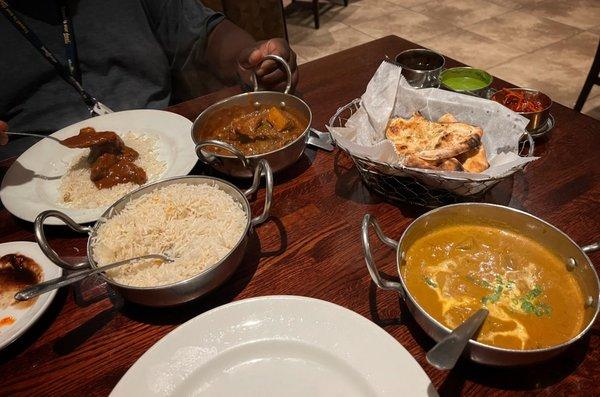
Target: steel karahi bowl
[537,120]
[184,290]
[278,159]
[574,257]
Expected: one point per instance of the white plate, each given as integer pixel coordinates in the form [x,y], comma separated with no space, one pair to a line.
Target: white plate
[31,184]
[276,346]
[25,317]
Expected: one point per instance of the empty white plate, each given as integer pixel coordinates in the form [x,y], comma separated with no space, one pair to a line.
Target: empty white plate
[25,317]
[276,346]
[31,184]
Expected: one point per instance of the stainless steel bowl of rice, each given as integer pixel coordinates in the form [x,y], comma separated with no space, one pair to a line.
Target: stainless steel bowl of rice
[201,222]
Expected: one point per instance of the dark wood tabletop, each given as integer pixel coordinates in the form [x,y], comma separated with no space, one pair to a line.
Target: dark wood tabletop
[310,246]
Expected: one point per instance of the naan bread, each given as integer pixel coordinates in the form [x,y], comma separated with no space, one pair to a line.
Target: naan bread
[409,135]
[443,145]
[430,140]
[475,160]
[447,118]
[456,139]
[415,161]
[451,165]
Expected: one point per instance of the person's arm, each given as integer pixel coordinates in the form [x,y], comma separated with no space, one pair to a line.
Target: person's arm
[3,135]
[232,52]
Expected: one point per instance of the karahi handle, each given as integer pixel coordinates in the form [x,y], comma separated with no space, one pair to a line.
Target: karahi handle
[286,67]
[40,237]
[262,167]
[378,279]
[588,249]
[210,158]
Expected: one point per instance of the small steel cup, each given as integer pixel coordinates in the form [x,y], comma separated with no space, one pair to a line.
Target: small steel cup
[421,67]
[467,72]
[537,120]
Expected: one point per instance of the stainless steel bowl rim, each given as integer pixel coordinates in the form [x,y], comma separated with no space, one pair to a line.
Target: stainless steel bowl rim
[259,155]
[532,90]
[421,70]
[191,279]
[472,342]
[418,71]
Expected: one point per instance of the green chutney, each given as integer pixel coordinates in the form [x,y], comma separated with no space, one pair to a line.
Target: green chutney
[465,79]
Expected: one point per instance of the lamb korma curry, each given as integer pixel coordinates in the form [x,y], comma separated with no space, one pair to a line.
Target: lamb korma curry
[254,131]
[533,300]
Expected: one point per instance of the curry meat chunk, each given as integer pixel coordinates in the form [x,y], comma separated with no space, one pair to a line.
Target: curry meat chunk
[110,160]
[261,124]
[109,170]
[99,143]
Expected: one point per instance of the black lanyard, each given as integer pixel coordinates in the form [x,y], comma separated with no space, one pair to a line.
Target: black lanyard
[70,46]
[70,73]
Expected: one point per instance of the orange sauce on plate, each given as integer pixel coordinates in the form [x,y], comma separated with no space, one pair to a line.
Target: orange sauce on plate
[6,321]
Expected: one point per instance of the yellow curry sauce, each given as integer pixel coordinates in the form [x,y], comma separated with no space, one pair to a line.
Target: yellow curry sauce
[254,130]
[533,300]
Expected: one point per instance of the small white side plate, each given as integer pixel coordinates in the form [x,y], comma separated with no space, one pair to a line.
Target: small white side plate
[27,316]
[276,346]
[31,184]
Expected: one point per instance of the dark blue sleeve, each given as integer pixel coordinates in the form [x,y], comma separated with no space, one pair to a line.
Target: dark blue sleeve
[182,28]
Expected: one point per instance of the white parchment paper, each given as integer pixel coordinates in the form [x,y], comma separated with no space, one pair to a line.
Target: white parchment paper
[388,95]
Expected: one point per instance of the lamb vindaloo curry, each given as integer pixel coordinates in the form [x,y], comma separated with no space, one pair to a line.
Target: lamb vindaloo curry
[111,161]
[533,300]
[254,131]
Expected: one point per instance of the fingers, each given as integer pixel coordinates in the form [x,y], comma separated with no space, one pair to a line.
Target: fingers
[3,136]
[277,47]
[268,72]
[268,65]
[278,78]
[249,58]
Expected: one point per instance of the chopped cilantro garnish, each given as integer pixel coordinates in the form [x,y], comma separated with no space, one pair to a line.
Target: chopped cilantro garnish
[534,293]
[480,283]
[542,309]
[528,304]
[430,282]
[494,297]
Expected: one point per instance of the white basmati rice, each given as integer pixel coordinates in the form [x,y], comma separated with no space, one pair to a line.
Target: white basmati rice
[197,225]
[78,191]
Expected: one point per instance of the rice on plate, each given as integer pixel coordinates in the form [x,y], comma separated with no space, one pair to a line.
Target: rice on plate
[78,191]
[196,225]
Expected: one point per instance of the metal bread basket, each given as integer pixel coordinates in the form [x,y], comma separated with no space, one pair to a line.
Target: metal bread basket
[399,183]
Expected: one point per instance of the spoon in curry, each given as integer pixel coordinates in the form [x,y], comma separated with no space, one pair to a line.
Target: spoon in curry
[446,352]
[47,286]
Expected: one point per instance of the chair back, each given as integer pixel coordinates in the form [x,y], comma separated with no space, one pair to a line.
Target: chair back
[263,19]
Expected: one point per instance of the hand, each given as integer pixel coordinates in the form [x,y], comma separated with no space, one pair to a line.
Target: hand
[3,135]
[269,74]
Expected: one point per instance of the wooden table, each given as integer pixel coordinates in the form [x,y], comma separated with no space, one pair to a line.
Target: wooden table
[311,247]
